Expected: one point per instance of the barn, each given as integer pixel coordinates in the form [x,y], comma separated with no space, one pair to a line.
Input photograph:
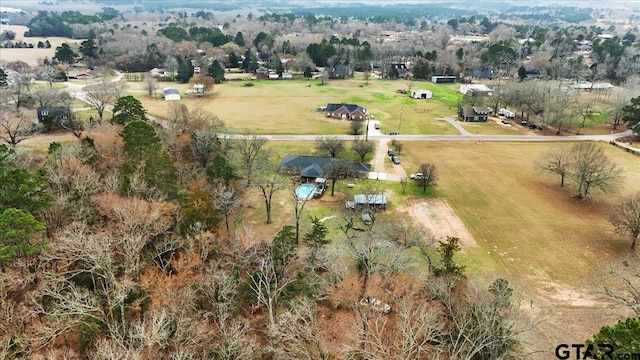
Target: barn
[421,94]
[170,94]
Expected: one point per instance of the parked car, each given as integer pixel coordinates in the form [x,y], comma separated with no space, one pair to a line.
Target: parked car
[416,176]
[532,126]
[376,126]
[395,160]
[390,152]
[504,122]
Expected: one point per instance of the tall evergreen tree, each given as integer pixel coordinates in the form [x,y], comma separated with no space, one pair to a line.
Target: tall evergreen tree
[185,70]
[216,72]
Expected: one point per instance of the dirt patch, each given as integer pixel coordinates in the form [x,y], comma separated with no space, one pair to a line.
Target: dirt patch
[437,216]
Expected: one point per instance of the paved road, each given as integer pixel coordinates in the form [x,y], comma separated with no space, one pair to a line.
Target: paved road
[470,137]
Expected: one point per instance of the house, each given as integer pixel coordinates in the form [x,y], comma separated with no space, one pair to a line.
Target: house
[484,74]
[476,89]
[421,94]
[262,73]
[339,72]
[473,113]
[53,115]
[158,73]
[587,86]
[170,94]
[533,72]
[401,69]
[346,111]
[310,168]
[198,89]
[443,79]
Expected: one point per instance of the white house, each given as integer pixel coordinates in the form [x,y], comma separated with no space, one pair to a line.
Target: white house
[198,89]
[421,94]
[480,89]
[170,94]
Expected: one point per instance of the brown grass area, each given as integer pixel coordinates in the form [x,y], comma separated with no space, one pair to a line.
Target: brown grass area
[31,56]
[531,232]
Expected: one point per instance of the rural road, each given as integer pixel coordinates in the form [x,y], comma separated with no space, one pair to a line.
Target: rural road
[470,137]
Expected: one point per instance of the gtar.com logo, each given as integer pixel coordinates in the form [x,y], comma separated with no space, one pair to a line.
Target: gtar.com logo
[582,351]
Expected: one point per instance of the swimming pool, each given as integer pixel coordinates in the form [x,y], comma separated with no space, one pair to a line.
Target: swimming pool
[305,191]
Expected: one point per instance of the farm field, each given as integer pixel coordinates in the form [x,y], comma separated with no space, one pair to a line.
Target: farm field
[31,56]
[289,107]
[553,249]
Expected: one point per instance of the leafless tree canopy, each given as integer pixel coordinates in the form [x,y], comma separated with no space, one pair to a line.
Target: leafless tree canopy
[625,217]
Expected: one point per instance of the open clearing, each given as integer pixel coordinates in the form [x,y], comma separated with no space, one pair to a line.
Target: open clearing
[289,106]
[437,216]
[31,56]
[530,231]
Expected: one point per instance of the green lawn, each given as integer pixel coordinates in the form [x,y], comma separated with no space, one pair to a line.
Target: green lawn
[289,107]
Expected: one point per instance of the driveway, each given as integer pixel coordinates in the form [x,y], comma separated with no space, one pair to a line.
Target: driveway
[455,124]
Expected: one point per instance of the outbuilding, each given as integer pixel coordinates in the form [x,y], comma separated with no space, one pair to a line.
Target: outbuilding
[421,94]
[171,94]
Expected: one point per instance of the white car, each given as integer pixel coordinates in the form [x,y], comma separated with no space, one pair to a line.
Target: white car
[416,176]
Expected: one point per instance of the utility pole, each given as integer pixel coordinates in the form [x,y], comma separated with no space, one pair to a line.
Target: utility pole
[366,132]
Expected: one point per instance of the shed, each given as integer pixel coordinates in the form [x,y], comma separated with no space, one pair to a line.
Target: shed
[421,94]
[476,89]
[370,200]
[170,94]
[443,79]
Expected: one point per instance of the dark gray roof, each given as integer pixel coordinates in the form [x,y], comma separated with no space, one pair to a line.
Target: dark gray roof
[350,107]
[170,91]
[312,166]
[471,111]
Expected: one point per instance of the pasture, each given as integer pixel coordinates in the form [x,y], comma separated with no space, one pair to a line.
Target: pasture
[289,106]
[552,248]
[31,56]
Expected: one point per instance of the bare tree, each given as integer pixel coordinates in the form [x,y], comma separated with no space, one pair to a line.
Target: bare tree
[429,176]
[363,148]
[592,170]
[251,151]
[338,169]
[269,284]
[626,290]
[179,116]
[204,145]
[103,95]
[226,201]
[150,85]
[269,185]
[626,218]
[556,161]
[298,205]
[404,181]
[15,128]
[329,144]
[299,333]
[355,127]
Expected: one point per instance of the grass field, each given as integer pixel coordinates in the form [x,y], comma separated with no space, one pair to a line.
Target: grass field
[529,229]
[31,56]
[289,107]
